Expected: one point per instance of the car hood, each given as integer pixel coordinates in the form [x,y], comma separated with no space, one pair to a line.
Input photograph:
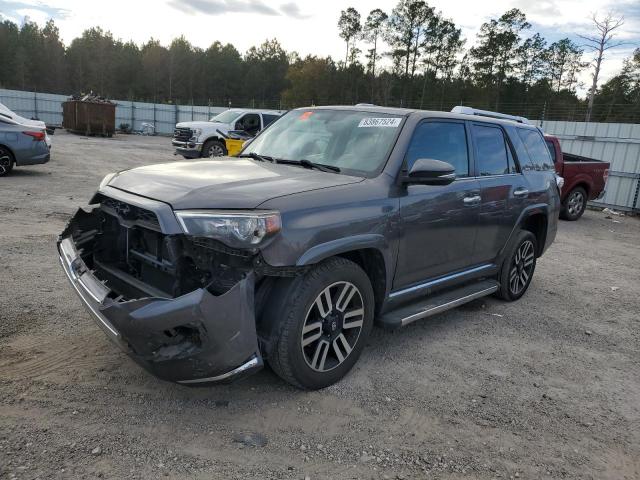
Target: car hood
[203,125]
[224,183]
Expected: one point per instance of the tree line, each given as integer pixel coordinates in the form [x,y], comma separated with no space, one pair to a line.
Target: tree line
[412,56]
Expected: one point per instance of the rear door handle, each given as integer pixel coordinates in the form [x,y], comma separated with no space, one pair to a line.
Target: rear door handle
[520,192]
[472,200]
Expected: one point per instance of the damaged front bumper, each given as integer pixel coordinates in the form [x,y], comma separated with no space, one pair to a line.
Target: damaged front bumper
[192,339]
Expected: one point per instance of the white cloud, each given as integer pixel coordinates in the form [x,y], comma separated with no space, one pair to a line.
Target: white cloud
[34,15]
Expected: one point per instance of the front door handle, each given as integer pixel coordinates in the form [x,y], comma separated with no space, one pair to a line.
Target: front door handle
[520,192]
[472,200]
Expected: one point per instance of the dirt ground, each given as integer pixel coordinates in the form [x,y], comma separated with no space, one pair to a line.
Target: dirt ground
[547,387]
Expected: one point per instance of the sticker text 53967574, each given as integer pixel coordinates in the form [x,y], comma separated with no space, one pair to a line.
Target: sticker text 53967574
[380,122]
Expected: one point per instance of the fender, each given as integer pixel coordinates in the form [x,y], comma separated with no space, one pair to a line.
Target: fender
[527,212]
[581,178]
[13,156]
[342,245]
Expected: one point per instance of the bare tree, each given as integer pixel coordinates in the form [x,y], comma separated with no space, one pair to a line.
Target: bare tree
[601,41]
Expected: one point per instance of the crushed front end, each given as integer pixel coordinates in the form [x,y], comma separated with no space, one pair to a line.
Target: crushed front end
[181,306]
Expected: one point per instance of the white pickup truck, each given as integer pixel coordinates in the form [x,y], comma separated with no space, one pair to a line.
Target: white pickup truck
[207,139]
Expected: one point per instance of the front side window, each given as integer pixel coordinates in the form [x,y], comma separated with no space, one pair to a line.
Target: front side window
[250,123]
[354,141]
[446,141]
[493,155]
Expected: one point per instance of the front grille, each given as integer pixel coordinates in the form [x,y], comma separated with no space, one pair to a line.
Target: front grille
[182,134]
[131,212]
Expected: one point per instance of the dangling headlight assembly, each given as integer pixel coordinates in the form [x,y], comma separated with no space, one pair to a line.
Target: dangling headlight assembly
[236,229]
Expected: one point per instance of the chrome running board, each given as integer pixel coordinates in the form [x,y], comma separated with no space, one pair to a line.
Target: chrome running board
[435,304]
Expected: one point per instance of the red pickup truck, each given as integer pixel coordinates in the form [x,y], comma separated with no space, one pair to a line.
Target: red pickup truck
[584,179]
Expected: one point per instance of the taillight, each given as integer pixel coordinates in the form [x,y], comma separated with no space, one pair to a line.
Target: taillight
[37,136]
[605,174]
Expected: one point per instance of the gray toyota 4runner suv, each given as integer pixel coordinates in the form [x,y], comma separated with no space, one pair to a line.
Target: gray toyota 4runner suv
[332,219]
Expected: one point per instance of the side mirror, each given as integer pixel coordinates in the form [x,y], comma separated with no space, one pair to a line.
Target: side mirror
[239,126]
[427,171]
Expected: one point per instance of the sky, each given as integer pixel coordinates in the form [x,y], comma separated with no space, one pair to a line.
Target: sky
[310,26]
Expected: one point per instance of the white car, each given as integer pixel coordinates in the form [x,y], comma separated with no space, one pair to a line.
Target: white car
[207,139]
[10,114]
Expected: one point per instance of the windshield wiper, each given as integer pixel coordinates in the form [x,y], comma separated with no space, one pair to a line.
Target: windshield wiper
[309,164]
[257,156]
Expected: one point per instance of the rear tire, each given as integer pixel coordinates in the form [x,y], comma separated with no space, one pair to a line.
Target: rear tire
[518,266]
[213,148]
[325,319]
[574,205]
[6,161]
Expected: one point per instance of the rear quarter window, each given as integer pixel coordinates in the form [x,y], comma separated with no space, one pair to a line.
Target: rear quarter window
[552,150]
[537,151]
[267,119]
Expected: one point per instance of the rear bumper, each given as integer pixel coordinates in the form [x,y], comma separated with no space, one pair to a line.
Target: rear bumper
[198,338]
[43,156]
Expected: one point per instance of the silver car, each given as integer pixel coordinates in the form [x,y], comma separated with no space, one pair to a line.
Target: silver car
[21,143]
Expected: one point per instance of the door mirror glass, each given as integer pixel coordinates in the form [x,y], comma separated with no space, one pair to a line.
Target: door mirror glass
[427,171]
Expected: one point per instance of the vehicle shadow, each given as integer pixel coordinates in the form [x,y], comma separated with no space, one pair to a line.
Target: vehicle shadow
[381,342]
[20,172]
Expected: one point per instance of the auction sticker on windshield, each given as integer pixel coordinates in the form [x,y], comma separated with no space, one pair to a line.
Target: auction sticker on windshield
[379,122]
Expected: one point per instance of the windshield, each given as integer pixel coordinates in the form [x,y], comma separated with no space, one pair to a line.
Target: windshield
[226,117]
[353,141]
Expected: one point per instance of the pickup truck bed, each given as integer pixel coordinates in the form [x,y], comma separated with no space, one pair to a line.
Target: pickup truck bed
[584,178]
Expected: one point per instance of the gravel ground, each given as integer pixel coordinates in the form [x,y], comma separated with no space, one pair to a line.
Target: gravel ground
[546,387]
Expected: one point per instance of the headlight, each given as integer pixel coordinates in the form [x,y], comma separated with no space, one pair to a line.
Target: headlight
[236,229]
[105,181]
[196,132]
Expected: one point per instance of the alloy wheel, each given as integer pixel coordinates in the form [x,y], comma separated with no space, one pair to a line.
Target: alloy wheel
[574,204]
[5,162]
[332,326]
[215,150]
[522,267]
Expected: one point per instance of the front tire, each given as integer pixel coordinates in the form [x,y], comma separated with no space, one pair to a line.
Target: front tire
[518,266]
[574,205]
[326,318]
[213,148]
[6,162]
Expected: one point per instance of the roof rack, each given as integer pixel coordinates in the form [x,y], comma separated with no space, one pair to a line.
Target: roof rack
[487,113]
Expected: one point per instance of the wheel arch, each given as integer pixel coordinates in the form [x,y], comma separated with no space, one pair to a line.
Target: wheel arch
[13,155]
[534,219]
[369,251]
[214,137]
[582,181]
[536,223]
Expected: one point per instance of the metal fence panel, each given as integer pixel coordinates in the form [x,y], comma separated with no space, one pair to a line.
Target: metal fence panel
[616,143]
[48,108]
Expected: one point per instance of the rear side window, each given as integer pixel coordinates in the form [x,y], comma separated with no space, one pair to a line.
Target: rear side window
[267,119]
[493,154]
[539,156]
[446,141]
[552,150]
